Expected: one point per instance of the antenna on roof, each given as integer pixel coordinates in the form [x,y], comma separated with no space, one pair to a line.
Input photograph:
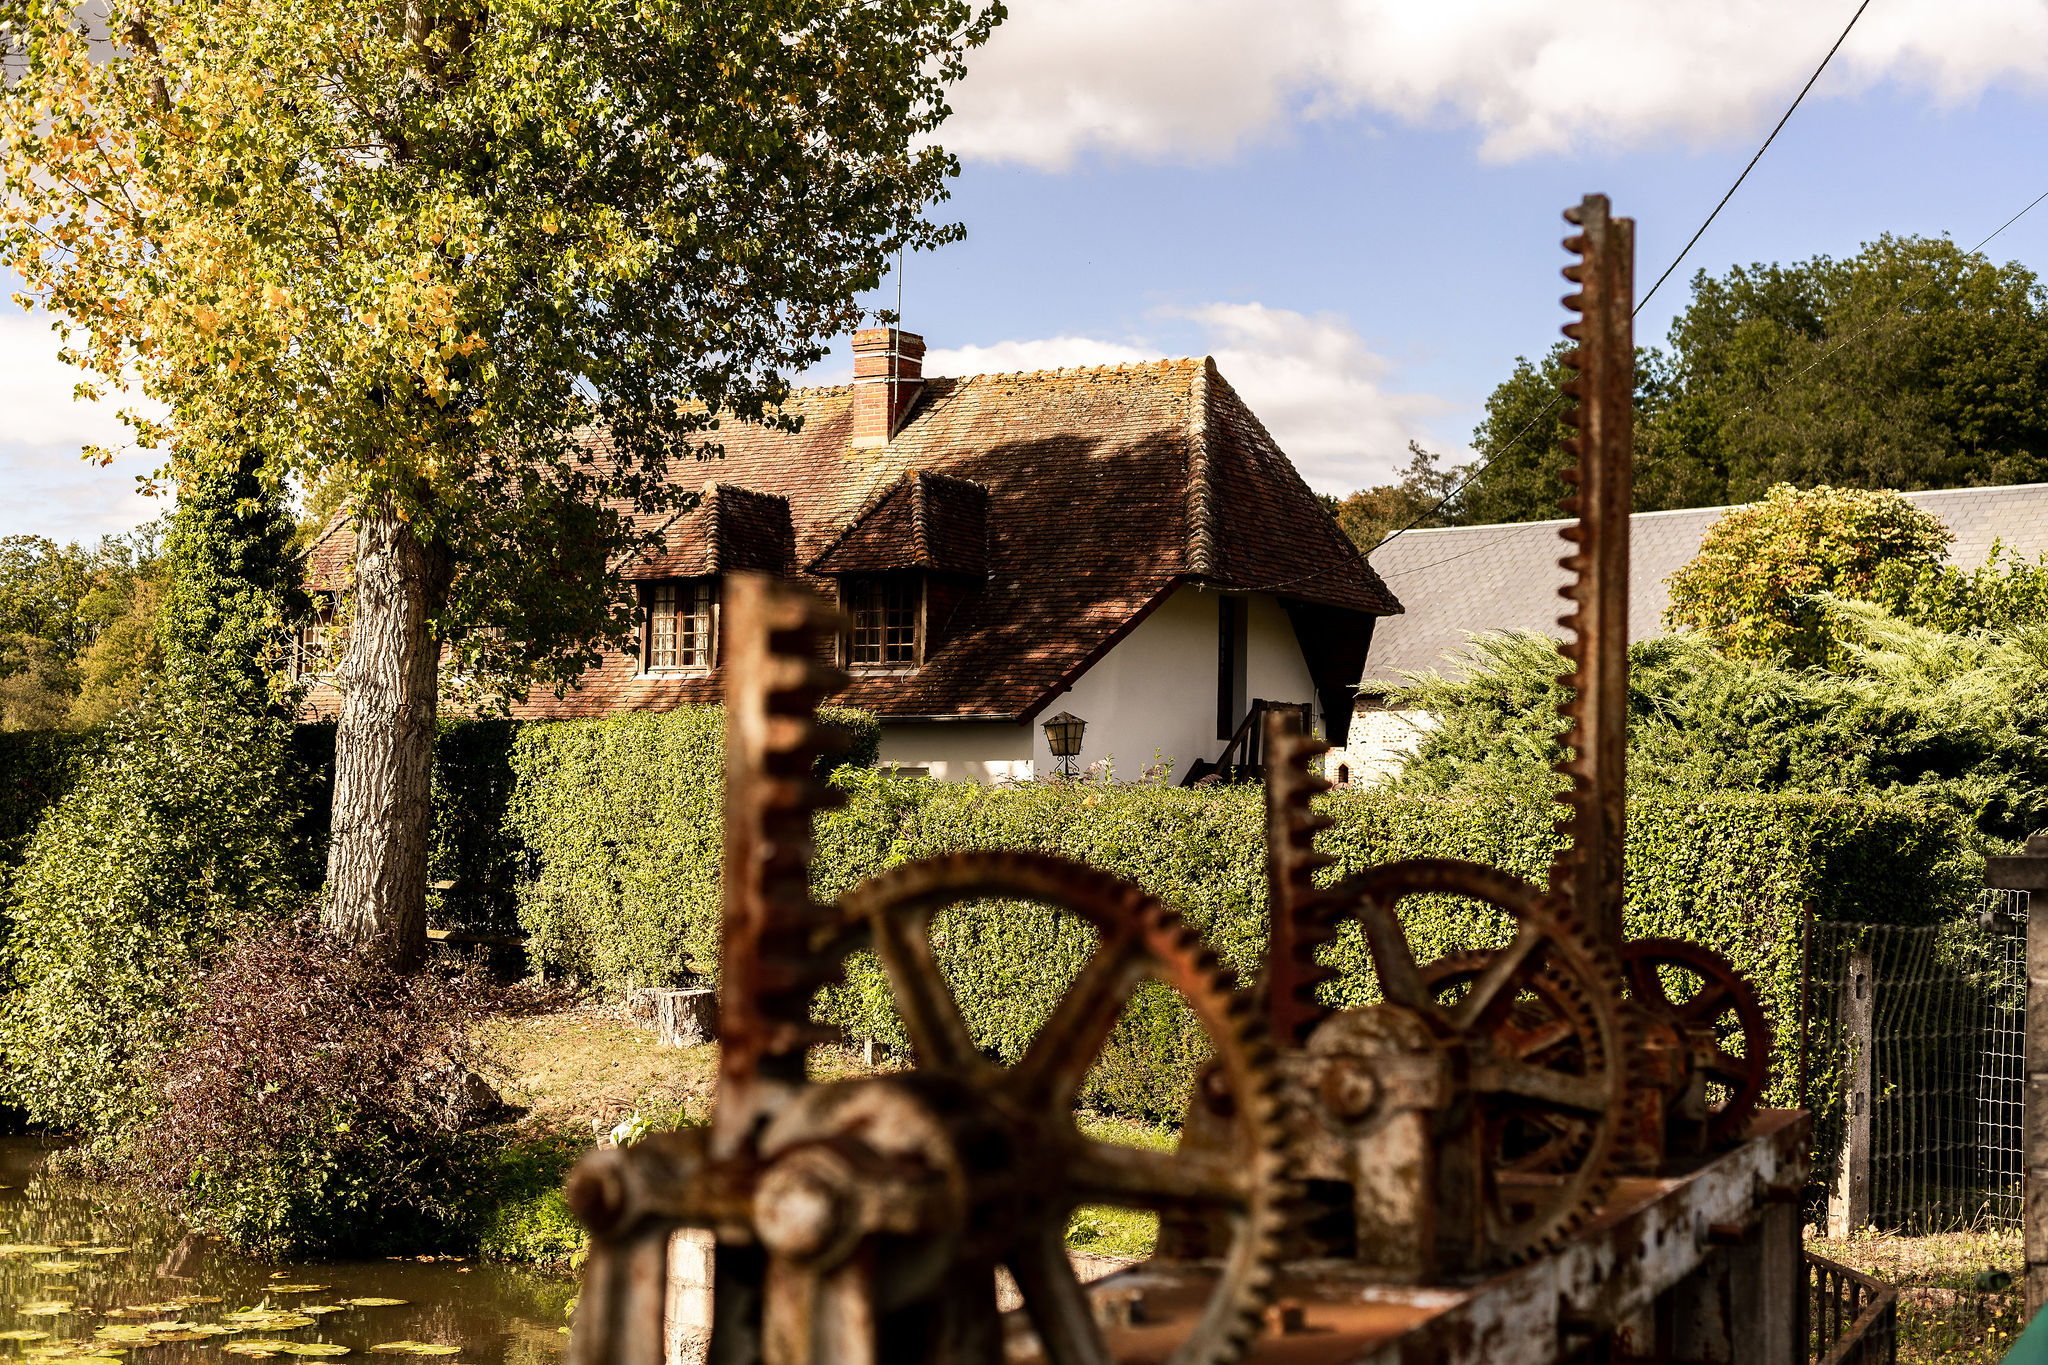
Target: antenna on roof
[896,348]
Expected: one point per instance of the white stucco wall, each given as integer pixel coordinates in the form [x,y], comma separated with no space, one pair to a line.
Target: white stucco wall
[960,751]
[1152,697]
[1275,669]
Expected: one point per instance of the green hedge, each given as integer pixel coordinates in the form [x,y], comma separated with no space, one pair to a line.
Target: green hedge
[621,822]
[602,838]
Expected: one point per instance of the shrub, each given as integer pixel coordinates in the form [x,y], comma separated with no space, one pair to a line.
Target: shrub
[173,838]
[1751,588]
[306,1107]
[527,1217]
[36,768]
[1956,720]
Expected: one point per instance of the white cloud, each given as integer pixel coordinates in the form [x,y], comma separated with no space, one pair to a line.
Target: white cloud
[1312,380]
[1047,353]
[43,429]
[1198,79]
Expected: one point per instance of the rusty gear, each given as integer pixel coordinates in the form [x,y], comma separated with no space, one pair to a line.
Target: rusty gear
[1302,918]
[1542,1029]
[1587,874]
[1722,1009]
[1524,1218]
[1057,1168]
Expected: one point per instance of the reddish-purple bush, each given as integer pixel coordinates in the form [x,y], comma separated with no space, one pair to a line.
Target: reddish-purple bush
[315,1101]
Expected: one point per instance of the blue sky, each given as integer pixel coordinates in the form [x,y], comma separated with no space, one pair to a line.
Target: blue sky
[1355,207]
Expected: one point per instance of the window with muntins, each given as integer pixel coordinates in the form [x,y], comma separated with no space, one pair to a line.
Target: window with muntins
[679,625]
[884,612]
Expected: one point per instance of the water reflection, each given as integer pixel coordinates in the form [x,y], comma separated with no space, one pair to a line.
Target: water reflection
[88,1273]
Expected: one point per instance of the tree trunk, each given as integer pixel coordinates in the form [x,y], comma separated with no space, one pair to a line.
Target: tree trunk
[384,744]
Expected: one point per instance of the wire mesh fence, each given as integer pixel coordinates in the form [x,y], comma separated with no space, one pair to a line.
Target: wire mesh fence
[1918,1079]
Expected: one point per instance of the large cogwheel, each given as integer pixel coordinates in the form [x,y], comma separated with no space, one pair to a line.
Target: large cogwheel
[1548,1109]
[1024,1202]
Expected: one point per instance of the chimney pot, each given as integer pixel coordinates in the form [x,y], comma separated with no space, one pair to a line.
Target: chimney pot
[888,370]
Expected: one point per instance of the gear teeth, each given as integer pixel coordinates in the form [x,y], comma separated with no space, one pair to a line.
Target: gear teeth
[775,636]
[1600,358]
[1302,916]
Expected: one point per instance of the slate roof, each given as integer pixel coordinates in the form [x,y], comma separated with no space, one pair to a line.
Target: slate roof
[1099,491]
[1464,580]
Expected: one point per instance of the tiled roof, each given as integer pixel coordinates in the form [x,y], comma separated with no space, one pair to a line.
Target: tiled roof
[1467,580]
[1105,488]
[923,521]
[732,530]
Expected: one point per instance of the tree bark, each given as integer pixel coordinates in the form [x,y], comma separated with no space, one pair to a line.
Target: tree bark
[384,744]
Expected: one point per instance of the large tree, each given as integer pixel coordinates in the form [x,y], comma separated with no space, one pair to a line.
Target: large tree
[1912,364]
[494,269]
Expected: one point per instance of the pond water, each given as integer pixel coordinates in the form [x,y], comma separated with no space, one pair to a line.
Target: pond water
[89,1276]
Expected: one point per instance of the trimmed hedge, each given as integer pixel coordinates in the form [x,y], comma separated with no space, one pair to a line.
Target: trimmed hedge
[621,821]
[602,840]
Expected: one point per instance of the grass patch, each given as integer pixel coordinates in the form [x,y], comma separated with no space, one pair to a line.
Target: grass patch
[1100,1229]
[1960,1298]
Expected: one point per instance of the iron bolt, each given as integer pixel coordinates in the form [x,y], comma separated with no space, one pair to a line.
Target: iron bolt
[1349,1088]
[797,1213]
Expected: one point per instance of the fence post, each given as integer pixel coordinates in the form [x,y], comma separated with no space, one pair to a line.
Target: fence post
[1849,1205]
[2028,872]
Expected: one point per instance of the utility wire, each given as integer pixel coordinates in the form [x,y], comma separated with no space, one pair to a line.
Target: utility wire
[1516,439]
[1758,157]
[1910,299]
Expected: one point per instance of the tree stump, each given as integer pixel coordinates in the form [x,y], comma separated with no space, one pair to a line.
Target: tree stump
[686,1018]
[641,1007]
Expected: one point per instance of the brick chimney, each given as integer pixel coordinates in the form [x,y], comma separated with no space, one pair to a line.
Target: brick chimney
[888,370]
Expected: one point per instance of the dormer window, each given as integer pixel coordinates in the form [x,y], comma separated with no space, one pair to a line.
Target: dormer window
[885,609]
[681,625]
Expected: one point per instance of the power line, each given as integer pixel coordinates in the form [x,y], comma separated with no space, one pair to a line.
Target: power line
[1517,527]
[1753,160]
[1515,440]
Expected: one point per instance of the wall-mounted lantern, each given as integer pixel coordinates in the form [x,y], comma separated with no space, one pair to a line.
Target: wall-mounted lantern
[1063,737]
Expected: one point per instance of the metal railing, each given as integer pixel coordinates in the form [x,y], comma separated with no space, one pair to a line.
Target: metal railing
[1851,1319]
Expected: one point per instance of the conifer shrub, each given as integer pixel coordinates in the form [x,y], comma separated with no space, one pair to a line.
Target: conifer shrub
[306,1107]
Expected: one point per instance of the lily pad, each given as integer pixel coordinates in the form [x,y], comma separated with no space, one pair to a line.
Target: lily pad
[414,1348]
[43,1308]
[72,1350]
[293,1288]
[318,1308]
[22,1334]
[311,1348]
[374,1303]
[28,1249]
[265,1320]
[150,1333]
[57,1267]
